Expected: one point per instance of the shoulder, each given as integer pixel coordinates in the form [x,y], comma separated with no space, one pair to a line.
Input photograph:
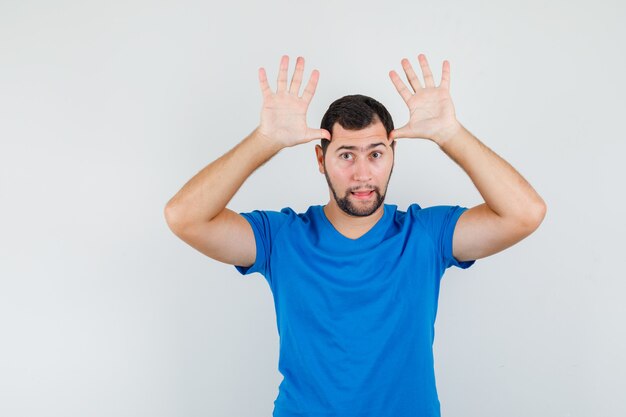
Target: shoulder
[434,217]
[278,218]
[433,212]
[410,214]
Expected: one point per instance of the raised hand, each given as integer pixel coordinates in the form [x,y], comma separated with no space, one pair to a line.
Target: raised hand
[431,110]
[283,115]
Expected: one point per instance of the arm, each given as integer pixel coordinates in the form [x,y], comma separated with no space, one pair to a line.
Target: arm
[198,214]
[205,195]
[512,208]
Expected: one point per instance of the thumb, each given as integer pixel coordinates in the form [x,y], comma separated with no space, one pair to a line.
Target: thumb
[313,134]
[402,132]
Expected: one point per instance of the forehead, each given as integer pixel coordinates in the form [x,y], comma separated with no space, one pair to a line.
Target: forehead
[375,132]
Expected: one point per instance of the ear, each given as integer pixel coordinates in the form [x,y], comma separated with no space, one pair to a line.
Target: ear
[319,153]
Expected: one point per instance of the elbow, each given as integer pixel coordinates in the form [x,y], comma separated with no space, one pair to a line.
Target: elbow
[168,212]
[535,216]
[541,210]
[171,218]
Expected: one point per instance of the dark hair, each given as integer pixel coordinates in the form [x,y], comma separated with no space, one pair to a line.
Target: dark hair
[354,112]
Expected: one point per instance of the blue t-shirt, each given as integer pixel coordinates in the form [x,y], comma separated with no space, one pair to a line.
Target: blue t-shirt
[355,317]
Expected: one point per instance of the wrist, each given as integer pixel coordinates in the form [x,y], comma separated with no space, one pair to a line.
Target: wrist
[448,133]
[266,140]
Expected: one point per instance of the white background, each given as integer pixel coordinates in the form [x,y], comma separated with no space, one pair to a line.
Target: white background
[108,108]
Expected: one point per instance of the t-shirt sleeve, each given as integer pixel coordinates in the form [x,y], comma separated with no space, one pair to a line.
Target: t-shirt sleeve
[265,225]
[440,222]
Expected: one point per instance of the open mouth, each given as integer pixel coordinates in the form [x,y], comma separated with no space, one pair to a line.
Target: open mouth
[363,195]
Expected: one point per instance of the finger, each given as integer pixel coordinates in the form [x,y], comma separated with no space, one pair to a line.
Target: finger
[307,95]
[411,75]
[265,86]
[313,134]
[390,137]
[445,75]
[282,74]
[294,88]
[428,76]
[402,132]
[405,93]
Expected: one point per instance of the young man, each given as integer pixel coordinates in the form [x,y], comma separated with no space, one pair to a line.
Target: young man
[355,282]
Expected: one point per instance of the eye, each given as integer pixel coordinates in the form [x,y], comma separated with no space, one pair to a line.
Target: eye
[345,156]
[380,155]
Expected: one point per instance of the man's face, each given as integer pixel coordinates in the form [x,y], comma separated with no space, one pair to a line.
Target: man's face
[358,166]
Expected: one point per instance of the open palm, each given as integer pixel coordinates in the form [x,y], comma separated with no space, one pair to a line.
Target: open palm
[431,109]
[283,115]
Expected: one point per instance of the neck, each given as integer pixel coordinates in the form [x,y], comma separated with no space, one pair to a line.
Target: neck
[348,225]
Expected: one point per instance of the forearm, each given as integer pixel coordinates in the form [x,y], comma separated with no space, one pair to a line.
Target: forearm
[504,190]
[206,194]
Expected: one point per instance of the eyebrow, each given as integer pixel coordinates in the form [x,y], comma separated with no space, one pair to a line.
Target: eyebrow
[352,148]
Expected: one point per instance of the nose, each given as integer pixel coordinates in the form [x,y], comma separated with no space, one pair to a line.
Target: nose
[362,170]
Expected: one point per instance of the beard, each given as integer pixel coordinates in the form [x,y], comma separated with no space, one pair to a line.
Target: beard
[347,205]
